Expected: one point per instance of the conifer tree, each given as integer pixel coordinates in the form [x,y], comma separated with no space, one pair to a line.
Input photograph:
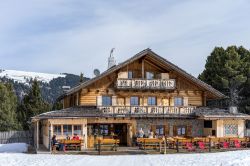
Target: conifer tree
[81,77]
[225,70]
[8,105]
[32,105]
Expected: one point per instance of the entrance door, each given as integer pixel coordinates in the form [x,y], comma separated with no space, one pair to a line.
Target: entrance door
[120,132]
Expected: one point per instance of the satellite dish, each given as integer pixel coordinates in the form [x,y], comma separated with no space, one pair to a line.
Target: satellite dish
[96,72]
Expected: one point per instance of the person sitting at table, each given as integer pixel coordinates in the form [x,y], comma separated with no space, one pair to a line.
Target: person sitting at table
[75,137]
[141,133]
[151,134]
[54,143]
[67,137]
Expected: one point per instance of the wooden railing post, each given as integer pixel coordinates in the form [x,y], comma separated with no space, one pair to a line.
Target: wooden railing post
[177,145]
[99,147]
[209,146]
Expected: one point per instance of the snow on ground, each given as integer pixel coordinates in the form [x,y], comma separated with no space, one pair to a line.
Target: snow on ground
[24,77]
[13,148]
[233,158]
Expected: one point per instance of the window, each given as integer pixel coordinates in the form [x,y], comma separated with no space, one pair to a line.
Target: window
[207,124]
[178,101]
[104,129]
[67,129]
[149,75]
[159,130]
[134,101]
[106,101]
[230,129]
[78,129]
[130,74]
[57,130]
[151,100]
[181,130]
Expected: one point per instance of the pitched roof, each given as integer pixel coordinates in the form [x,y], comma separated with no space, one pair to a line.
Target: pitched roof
[148,52]
[94,112]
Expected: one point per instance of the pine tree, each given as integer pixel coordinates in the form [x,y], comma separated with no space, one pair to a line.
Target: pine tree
[8,105]
[225,71]
[81,78]
[32,105]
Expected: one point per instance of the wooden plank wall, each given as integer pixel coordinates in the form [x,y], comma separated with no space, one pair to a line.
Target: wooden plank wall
[16,137]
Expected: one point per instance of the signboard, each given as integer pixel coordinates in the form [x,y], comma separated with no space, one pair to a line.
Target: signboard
[145,84]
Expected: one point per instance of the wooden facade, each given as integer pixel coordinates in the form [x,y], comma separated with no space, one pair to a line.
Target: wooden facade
[145,92]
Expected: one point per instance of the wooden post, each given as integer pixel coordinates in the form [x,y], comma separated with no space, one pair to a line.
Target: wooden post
[209,146]
[177,145]
[160,146]
[37,135]
[99,147]
[165,146]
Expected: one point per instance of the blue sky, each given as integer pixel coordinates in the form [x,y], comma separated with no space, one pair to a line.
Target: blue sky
[57,36]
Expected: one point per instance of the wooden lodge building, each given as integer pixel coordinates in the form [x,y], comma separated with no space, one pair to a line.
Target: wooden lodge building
[145,92]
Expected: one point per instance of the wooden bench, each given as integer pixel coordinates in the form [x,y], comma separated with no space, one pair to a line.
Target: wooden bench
[72,144]
[107,142]
[150,143]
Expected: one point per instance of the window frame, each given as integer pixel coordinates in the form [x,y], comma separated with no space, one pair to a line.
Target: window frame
[150,75]
[178,101]
[134,103]
[208,124]
[130,74]
[182,129]
[104,129]
[106,101]
[152,102]
[68,132]
[55,132]
[160,130]
[78,133]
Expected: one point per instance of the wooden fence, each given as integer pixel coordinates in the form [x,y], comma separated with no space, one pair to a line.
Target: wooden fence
[16,137]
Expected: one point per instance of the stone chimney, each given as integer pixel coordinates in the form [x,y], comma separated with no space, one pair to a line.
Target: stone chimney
[233,109]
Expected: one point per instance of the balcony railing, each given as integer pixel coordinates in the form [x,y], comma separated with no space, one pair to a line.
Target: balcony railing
[161,84]
[147,110]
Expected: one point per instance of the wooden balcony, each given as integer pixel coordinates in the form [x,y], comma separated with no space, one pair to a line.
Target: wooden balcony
[147,110]
[154,84]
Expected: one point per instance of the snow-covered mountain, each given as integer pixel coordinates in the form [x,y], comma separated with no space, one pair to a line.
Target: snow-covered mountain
[52,85]
[24,76]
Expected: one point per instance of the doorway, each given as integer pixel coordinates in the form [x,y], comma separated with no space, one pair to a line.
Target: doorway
[120,132]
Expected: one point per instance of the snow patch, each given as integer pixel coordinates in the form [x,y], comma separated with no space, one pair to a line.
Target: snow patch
[25,77]
[233,158]
[13,148]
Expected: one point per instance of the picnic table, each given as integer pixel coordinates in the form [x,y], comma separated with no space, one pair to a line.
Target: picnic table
[71,144]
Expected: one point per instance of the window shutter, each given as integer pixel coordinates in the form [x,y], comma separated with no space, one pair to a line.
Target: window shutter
[127,100]
[185,101]
[99,100]
[114,100]
[166,130]
[189,130]
[175,130]
[172,101]
[145,101]
[158,101]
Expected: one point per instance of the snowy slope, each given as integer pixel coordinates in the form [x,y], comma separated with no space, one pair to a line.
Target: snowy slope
[24,77]
[233,158]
